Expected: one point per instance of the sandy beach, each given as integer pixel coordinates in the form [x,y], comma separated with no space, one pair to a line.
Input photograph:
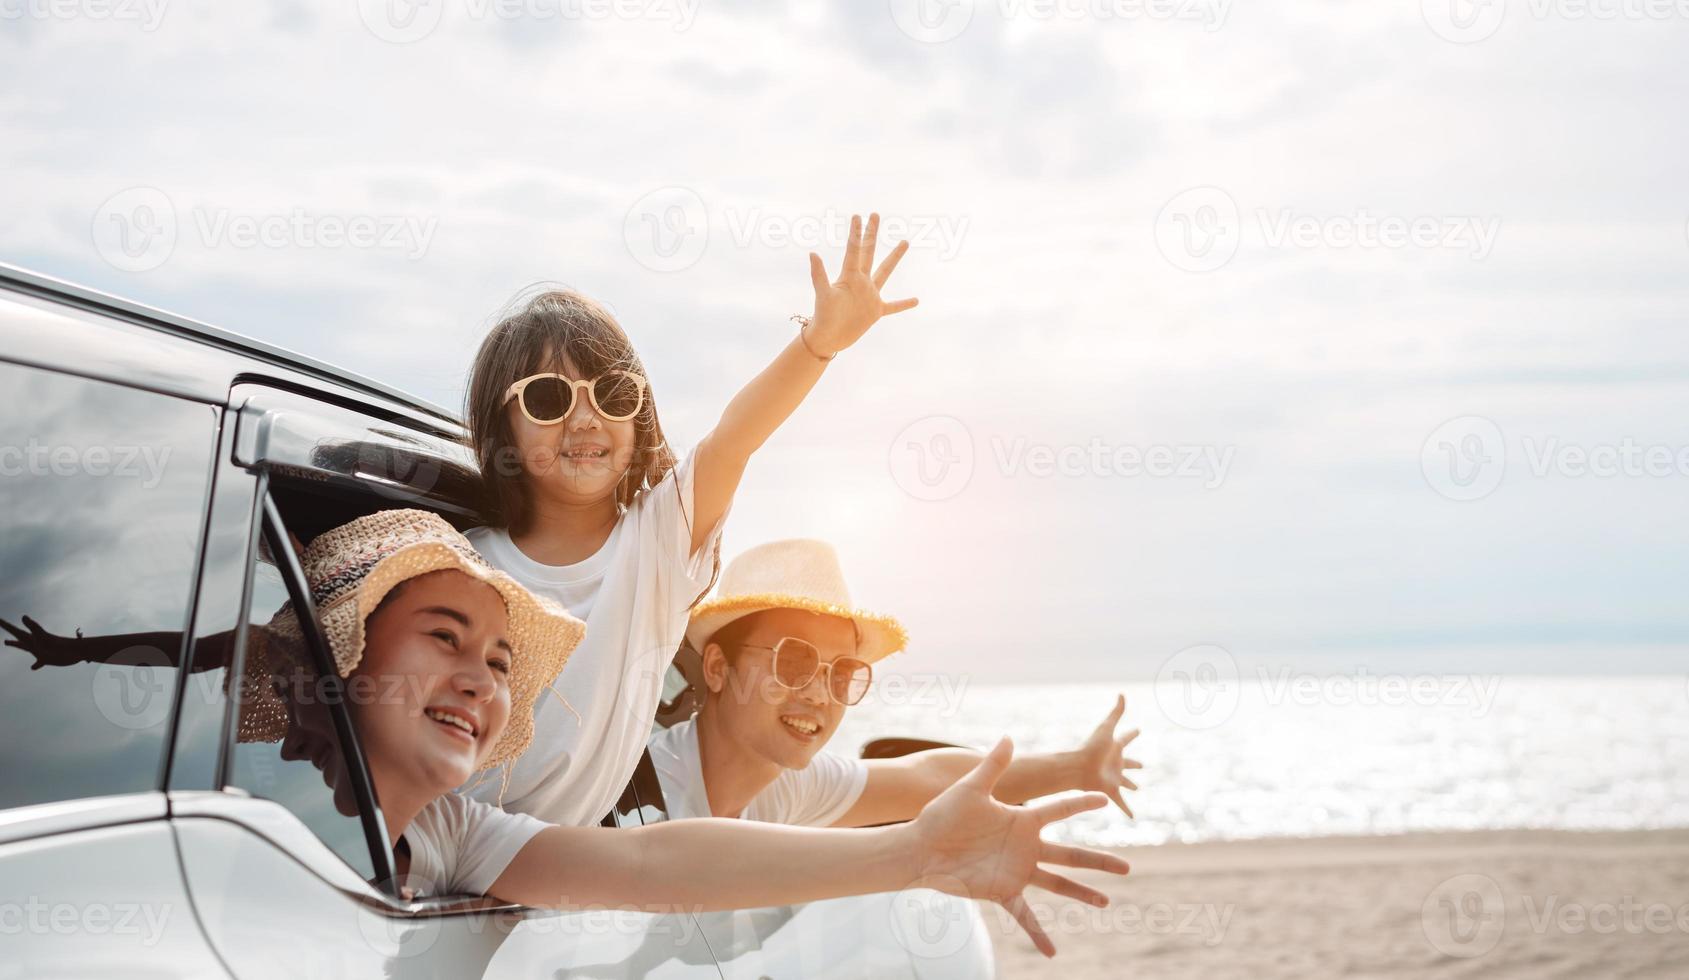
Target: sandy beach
[1536,904]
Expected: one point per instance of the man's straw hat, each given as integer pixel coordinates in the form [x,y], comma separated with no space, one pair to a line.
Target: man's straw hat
[795,574]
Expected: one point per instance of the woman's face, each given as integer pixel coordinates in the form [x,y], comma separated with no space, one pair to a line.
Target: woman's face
[578,460]
[436,690]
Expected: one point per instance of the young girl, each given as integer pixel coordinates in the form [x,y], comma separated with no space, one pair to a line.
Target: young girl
[460,651]
[591,509]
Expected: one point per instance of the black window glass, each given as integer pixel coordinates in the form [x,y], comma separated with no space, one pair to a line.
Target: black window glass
[296,770]
[102,493]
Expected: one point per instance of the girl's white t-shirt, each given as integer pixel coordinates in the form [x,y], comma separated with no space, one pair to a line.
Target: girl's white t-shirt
[633,594]
[814,796]
[460,846]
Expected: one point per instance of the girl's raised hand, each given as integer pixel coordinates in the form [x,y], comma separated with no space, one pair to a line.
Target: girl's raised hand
[847,306]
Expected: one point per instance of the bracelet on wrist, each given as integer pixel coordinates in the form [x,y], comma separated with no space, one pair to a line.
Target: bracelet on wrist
[803,338]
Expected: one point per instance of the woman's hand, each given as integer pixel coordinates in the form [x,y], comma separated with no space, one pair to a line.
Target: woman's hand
[1102,759]
[48,649]
[971,845]
[846,307]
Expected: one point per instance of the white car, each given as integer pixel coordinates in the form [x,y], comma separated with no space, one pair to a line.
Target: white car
[152,470]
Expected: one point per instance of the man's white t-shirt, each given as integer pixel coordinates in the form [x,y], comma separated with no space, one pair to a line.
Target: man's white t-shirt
[460,846]
[633,594]
[814,796]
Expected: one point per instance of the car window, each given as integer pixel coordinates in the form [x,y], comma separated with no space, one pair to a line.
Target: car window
[296,771]
[104,490]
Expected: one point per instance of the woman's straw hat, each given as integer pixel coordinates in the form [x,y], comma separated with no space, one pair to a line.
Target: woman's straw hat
[351,568]
[795,574]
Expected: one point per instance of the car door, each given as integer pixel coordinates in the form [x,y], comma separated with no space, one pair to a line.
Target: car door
[104,489]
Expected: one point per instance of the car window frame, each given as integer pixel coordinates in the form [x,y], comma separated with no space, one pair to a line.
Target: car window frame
[269,524]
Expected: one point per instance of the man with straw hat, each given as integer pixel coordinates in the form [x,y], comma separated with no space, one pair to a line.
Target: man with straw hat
[443,657]
[785,651]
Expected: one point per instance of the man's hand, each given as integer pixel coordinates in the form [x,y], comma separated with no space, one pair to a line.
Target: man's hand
[49,649]
[971,845]
[1102,759]
[846,307]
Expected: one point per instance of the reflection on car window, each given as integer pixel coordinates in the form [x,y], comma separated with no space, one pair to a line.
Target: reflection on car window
[104,489]
[297,772]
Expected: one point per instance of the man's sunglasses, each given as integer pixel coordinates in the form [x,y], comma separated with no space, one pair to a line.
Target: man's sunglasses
[547,399]
[796,662]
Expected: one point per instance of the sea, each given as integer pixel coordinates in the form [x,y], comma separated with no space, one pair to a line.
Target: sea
[1340,754]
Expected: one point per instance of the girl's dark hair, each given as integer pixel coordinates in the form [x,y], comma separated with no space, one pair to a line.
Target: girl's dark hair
[534,339]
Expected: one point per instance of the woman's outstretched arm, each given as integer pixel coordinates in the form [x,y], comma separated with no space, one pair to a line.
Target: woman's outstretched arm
[964,843]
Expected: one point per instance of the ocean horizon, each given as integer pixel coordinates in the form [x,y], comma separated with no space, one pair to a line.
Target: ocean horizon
[1313,755]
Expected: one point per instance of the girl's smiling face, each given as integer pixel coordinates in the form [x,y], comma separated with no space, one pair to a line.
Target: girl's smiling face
[579,460]
[437,653]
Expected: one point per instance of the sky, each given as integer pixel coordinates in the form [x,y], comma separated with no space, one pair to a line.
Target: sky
[1352,333]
